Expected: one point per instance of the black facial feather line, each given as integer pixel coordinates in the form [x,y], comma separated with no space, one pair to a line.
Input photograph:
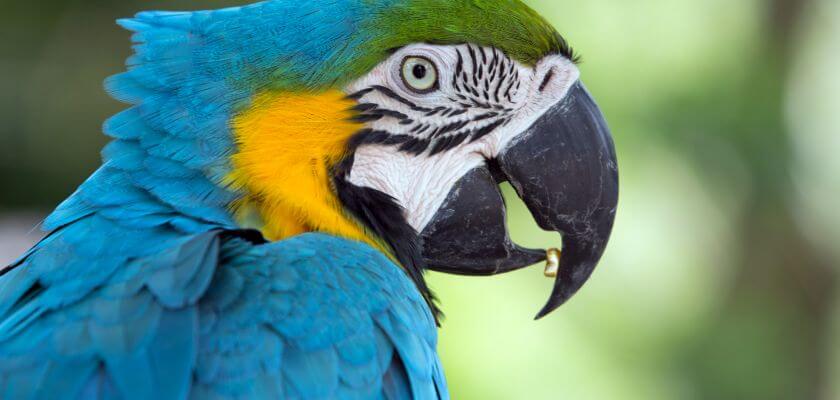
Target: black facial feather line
[489,83]
[382,214]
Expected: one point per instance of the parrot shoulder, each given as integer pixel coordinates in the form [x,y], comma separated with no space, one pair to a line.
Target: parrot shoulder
[157,313]
[317,316]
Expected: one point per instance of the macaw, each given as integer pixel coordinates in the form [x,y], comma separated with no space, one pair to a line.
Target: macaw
[285,174]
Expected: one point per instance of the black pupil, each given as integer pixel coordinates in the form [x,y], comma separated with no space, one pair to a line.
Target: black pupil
[419,71]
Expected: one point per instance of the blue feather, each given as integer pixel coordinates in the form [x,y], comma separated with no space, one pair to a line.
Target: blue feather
[209,317]
[142,290]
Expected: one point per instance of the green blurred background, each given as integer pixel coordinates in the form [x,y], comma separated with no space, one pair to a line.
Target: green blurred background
[721,281]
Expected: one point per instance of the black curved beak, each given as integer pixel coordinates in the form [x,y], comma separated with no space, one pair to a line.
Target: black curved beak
[565,170]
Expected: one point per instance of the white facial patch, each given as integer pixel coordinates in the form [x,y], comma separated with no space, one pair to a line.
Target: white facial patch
[419,144]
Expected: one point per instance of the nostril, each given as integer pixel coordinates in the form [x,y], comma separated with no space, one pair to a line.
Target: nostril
[547,79]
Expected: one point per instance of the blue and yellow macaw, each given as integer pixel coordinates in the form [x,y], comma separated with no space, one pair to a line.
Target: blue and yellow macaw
[285,173]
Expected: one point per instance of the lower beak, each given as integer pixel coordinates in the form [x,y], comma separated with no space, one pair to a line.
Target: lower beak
[564,168]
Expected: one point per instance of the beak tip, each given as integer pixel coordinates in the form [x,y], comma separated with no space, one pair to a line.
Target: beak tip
[553,303]
[540,315]
[547,309]
[573,274]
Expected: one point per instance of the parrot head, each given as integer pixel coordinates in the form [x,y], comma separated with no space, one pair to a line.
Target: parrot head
[394,122]
[445,125]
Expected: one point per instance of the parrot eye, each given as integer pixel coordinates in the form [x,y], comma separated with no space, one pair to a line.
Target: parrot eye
[420,74]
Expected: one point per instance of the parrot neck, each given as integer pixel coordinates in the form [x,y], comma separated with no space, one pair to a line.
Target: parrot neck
[290,164]
[287,145]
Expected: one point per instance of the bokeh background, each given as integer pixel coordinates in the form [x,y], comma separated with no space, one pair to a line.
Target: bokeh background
[721,281]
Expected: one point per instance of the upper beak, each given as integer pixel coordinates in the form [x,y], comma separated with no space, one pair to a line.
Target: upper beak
[565,170]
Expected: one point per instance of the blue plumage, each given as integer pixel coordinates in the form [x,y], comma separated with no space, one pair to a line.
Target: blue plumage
[213,316]
[143,289]
[190,73]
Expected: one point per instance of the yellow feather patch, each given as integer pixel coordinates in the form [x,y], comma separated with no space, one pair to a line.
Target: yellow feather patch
[287,144]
